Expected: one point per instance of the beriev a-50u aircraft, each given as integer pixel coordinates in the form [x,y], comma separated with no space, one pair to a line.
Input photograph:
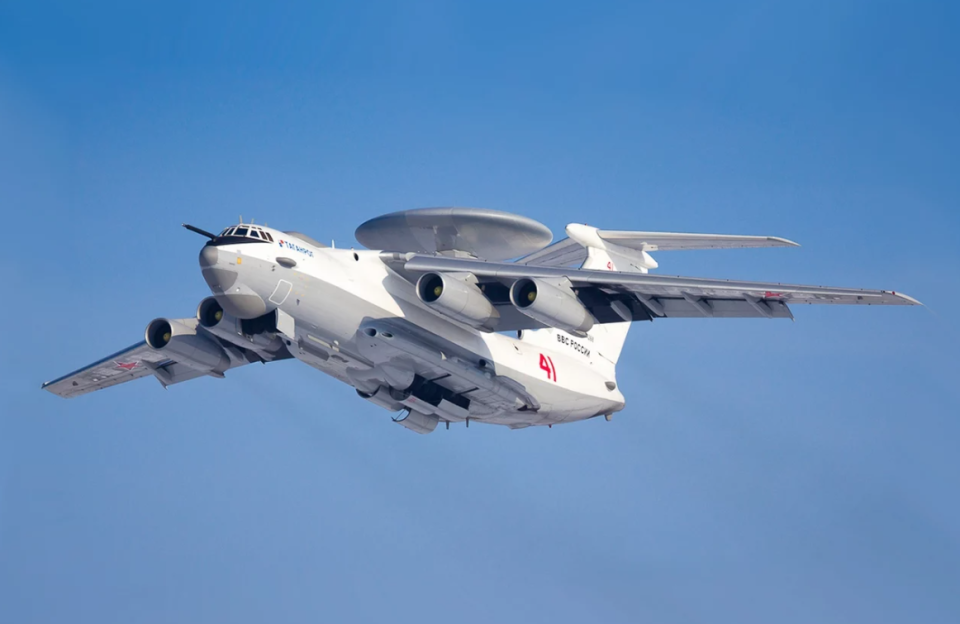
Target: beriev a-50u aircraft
[435,324]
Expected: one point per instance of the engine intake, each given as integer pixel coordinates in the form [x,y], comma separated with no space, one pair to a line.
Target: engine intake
[182,343]
[552,305]
[210,313]
[459,298]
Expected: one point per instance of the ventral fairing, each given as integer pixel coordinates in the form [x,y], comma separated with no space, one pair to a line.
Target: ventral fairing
[436,324]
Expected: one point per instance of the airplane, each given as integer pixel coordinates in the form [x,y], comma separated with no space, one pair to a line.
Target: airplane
[450,315]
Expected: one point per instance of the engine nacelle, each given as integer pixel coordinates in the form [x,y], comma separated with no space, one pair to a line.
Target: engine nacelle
[458,299]
[210,314]
[258,334]
[182,343]
[220,323]
[551,305]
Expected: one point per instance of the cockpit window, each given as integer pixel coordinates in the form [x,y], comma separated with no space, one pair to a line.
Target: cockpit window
[252,234]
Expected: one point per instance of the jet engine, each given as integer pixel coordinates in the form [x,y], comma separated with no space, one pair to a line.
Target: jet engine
[183,344]
[458,298]
[258,334]
[210,314]
[552,305]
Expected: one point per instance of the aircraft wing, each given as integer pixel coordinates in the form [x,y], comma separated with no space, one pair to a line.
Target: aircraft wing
[131,363]
[652,296]
[140,360]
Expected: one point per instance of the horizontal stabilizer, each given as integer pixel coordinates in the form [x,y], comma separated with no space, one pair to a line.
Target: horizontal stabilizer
[573,250]
[669,241]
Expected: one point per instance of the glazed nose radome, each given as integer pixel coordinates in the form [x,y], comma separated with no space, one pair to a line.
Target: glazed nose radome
[233,295]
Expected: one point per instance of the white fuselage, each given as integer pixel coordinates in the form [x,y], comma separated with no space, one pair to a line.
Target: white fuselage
[332,294]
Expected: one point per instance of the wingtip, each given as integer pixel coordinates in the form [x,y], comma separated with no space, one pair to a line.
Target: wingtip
[785,242]
[910,300]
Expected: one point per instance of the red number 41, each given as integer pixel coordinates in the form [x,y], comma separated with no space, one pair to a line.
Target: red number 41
[546,364]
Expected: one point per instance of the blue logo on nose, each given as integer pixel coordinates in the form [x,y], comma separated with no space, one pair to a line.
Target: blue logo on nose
[289,245]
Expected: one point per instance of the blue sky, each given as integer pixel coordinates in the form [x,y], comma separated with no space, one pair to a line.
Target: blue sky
[762,471]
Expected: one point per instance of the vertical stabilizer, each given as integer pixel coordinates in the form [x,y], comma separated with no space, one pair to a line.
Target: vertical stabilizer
[608,338]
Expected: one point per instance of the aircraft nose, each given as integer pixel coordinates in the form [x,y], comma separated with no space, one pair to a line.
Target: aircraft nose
[208,256]
[218,277]
[236,297]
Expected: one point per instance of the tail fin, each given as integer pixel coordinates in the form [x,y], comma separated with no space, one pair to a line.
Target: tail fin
[608,338]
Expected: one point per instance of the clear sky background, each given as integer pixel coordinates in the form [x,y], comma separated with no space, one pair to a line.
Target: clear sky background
[762,470]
